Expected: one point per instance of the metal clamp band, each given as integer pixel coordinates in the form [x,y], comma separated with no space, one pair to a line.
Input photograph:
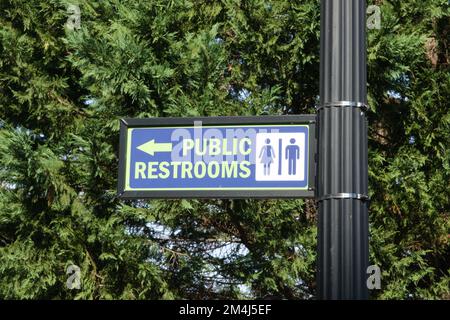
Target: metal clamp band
[349,104]
[356,196]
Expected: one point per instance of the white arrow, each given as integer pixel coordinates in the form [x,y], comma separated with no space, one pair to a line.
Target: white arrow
[151,147]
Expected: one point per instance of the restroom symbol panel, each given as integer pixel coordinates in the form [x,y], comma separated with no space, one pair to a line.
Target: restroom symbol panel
[281,157]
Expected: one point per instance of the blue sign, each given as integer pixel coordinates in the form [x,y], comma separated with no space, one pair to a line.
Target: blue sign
[214,160]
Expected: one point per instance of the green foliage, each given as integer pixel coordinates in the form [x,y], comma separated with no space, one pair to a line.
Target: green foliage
[409,84]
[62,93]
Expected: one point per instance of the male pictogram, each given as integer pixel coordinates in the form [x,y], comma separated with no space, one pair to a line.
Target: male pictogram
[292,154]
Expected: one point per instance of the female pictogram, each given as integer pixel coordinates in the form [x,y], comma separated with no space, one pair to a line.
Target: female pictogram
[267,154]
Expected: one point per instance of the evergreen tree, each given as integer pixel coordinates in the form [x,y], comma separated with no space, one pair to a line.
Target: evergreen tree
[69,70]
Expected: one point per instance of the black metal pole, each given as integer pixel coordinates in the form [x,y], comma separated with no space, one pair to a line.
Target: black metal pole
[343,228]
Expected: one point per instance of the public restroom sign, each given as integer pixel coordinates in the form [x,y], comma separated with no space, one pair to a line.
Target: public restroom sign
[222,157]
